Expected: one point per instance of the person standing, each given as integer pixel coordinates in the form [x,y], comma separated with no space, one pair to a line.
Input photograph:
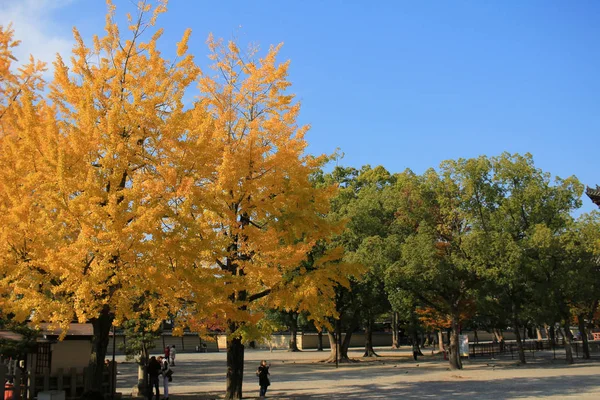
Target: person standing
[263,378]
[168,353]
[164,370]
[173,354]
[153,372]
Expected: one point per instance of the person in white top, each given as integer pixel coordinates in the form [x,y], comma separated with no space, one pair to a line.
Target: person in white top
[165,371]
[173,354]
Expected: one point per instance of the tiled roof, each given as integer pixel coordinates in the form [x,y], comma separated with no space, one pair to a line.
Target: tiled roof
[74,330]
[9,335]
[594,194]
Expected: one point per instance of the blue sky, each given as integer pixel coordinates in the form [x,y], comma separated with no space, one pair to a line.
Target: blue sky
[397,83]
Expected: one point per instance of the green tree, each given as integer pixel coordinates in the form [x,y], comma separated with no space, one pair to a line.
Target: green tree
[433,265]
[140,336]
[583,248]
[520,200]
[363,205]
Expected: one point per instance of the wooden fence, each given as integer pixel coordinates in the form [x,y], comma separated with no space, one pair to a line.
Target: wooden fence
[492,349]
[26,386]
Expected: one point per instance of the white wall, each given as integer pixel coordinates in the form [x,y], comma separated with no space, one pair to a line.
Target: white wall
[70,354]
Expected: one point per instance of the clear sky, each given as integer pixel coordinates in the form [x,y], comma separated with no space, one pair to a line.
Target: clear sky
[398,83]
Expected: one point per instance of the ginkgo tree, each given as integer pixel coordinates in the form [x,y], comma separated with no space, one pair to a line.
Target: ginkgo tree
[117,200]
[264,211]
[89,181]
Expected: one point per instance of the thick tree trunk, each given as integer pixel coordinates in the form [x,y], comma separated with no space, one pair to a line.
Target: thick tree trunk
[235,368]
[346,343]
[395,338]
[294,332]
[441,340]
[101,329]
[320,343]
[369,351]
[520,347]
[334,348]
[568,341]
[584,336]
[341,345]
[453,355]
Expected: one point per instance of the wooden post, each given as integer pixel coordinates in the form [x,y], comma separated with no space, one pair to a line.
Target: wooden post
[87,378]
[16,384]
[59,379]
[46,380]
[112,377]
[73,382]
[32,379]
[3,373]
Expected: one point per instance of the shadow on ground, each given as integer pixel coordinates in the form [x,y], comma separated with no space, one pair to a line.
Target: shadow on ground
[304,379]
[501,389]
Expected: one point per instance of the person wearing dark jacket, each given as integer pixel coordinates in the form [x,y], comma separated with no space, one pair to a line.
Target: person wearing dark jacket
[263,377]
[153,370]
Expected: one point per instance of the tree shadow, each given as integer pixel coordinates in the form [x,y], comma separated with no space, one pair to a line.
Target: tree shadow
[309,379]
[513,388]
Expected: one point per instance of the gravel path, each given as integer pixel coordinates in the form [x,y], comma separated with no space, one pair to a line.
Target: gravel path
[393,376]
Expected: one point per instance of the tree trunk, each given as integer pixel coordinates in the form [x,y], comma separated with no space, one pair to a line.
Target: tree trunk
[441,340]
[551,335]
[320,337]
[453,355]
[568,341]
[143,372]
[538,333]
[520,347]
[414,322]
[334,348]
[539,343]
[395,338]
[559,335]
[546,331]
[584,336]
[416,343]
[346,342]
[369,351]
[101,329]
[500,338]
[294,332]
[475,336]
[235,368]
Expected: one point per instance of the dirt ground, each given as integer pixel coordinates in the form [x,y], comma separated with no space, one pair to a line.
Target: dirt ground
[394,375]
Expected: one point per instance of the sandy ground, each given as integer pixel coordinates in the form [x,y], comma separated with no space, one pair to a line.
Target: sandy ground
[394,375]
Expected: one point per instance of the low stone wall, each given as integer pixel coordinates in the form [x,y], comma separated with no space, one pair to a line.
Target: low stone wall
[310,341]
[188,343]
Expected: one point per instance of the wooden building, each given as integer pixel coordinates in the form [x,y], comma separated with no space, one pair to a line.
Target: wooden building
[594,194]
